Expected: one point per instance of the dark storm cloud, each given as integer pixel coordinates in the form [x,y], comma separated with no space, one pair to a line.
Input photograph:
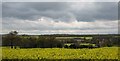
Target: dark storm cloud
[61,11]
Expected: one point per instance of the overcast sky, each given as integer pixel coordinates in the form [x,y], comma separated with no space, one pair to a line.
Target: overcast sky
[60,17]
[60,0]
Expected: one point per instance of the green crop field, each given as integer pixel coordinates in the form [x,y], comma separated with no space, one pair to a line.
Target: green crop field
[60,53]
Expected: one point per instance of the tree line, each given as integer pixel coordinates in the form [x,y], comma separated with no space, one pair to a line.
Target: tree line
[48,41]
[12,39]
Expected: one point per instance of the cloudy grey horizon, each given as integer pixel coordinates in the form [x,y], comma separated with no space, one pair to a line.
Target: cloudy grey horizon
[60,17]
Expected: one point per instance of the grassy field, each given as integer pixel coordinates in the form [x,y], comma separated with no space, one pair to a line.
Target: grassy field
[60,53]
[72,37]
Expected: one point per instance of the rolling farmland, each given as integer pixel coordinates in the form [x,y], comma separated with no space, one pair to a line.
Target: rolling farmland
[59,48]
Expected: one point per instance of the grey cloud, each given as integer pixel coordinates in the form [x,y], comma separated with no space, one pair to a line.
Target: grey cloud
[18,16]
[60,11]
[33,10]
[100,11]
[0,11]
